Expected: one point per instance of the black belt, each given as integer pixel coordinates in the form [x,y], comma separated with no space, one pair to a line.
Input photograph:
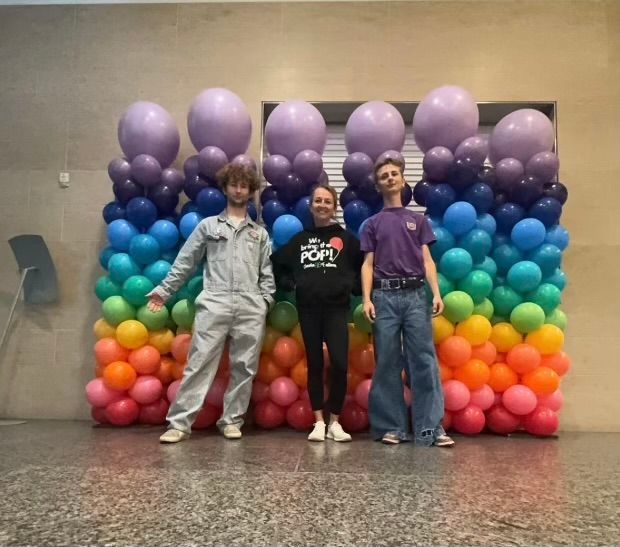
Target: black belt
[399,283]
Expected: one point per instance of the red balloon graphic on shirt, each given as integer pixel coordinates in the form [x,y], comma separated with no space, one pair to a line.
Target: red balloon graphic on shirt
[336,243]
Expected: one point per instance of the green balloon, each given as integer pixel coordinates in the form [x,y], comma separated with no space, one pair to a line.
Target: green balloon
[136,288]
[361,323]
[105,287]
[194,287]
[445,285]
[485,308]
[183,313]
[477,284]
[283,316]
[458,306]
[170,324]
[504,300]
[353,304]
[116,310]
[498,319]
[547,296]
[153,320]
[558,318]
[527,317]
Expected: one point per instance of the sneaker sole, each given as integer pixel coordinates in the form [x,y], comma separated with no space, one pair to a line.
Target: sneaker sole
[390,441]
[163,441]
[331,438]
[444,445]
[316,440]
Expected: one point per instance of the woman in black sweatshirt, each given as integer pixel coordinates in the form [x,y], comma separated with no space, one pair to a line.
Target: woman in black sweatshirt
[323,264]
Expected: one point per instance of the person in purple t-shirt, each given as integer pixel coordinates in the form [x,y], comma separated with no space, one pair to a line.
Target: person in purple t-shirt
[397,260]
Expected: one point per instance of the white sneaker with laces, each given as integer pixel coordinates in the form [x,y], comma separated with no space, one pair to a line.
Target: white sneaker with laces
[318,433]
[336,433]
[231,431]
[173,436]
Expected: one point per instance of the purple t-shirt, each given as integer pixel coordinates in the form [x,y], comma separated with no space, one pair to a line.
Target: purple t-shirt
[396,236]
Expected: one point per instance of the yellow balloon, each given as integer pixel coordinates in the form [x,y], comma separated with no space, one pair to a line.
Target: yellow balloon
[103,329]
[504,337]
[296,334]
[357,338]
[132,334]
[476,329]
[547,339]
[161,340]
[442,329]
[270,339]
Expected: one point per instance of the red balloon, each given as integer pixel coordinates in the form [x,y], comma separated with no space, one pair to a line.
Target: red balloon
[543,422]
[354,418]
[154,413]
[336,243]
[260,391]
[299,415]
[447,420]
[207,416]
[98,414]
[501,421]
[268,415]
[215,396]
[123,412]
[469,421]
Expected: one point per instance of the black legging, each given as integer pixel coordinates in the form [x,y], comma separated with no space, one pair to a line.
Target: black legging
[329,325]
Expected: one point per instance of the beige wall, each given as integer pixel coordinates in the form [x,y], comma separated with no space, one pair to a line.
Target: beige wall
[67,73]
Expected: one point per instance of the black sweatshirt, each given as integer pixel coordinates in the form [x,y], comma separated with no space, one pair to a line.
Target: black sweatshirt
[323,264]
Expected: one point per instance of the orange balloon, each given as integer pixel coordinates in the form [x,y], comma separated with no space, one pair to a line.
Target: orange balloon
[504,336]
[180,347]
[363,360]
[299,374]
[502,377]
[108,350]
[164,373]
[269,341]
[268,370]
[454,351]
[542,381]
[119,375]
[353,380]
[486,352]
[445,372]
[357,338]
[560,362]
[474,374]
[296,334]
[145,360]
[287,352]
[161,340]
[500,357]
[177,370]
[523,358]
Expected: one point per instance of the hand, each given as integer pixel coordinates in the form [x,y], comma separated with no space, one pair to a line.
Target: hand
[155,303]
[437,306]
[369,311]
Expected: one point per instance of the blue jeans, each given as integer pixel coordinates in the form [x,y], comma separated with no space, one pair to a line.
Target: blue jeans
[403,328]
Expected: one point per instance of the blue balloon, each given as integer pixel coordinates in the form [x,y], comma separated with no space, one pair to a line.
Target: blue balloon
[157,271]
[361,228]
[487,223]
[170,255]
[557,278]
[120,233]
[487,265]
[524,276]
[166,233]
[252,211]
[547,210]
[455,264]
[188,223]
[435,222]
[558,235]
[501,239]
[528,234]
[444,242]
[211,202]
[285,227]
[480,196]
[144,249]
[477,243]
[302,212]
[459,218]
[189,207]
[507,215]
[355,213]
[506,256]
[347,195]
[272,210]
[439,198]
[113,211]
[406,195]
[548,257]
[269,193]
[121,267]
[141,212]
[105,255]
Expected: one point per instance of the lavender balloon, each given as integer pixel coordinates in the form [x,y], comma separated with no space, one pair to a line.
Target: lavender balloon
[211,159]
[119,169]
[445,117]
[147,128]
[373,128]
[218,117]
[308,164]
[246,161]
[393,155]
[146,170]
[323,178]
[544,166]
[476,148]
[437,163]
[507,172]
[294,126]
[173,178]
[356,167]
[191,166]
[276,167]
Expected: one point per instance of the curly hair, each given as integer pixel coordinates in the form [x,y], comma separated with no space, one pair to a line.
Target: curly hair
[238,173]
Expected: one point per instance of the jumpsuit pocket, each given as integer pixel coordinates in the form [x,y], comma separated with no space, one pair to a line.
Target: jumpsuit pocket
[216,248]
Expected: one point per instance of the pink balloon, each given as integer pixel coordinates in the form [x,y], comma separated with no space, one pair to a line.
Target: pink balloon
[123,412]
[154,413]
[283,391]
[99,395]
[269,415]
[497,399]
[215,396]
[146,389]
[173,389]
[483,397]
[469,421]
[553,401]
[456,395]
[353,417]
[260,391]
[299,415]
[542,422]
[362,391]
[519,400]
[501,421]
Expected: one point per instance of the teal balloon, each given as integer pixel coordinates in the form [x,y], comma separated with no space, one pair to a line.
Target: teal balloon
[444,242]
[547,296]
[504,300]
[506,256]
[455,263]
[445,285]
[458,306]
[136,288]
[184,294]
[194,287]
[359,319]
[144,249]
[477,243]
[477,284]
[153,320]
[183,313]
[548,258]
[557,278]
[105,287]
[116,310]
[558,318]
[157,271]
[527,317]
[487,265]
[283,316]
[524,276]
[485,308]
[121,267]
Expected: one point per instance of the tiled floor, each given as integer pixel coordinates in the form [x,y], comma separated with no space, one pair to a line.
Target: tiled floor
[71,483]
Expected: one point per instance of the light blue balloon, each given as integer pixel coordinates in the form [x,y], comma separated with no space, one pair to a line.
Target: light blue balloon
[459,218]
[166,234]
[557,278]
[120,232]
[558,235]
[188,223]
[285,227]
[157,271]
[445,241]
[487,265]
[524,276]
[548,257]
[144,249]
[455,264]
[528,234]
[477,243]
[487,223]
[121,267]
[506,256]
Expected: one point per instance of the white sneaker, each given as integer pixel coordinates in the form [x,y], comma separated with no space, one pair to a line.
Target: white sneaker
[318,433]
[336,433]
[232,432]
[173,436]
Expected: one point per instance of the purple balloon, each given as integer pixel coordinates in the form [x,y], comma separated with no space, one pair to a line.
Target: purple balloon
[191,166]
[507,172]
[126,190]
[146,170]
[323,178]
[520,135]
[308,164]
[526,191]
[420,191]
[246,161]
[218,117]
[165,198]
[544,166]
[347,195]
[445,117]
[463,173]
[211,159]
[291,188]
[557,191]
[173,178]
[269,193]
[193,185]
[119,169]
[488,176]
[367,191]
[276,167]
[147,128]
[356,167]
[373,128]
[406,195]
[390,155]
[476,148]
[294,126]
[437,163]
